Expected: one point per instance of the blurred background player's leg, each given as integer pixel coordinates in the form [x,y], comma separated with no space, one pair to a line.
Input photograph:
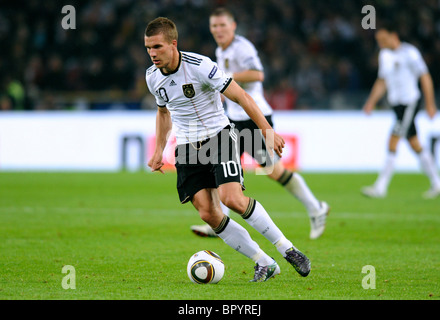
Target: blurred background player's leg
[428,166]
[295,184]
[380,187]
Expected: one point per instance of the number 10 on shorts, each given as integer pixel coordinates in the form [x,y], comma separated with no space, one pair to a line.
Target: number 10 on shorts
[230,168]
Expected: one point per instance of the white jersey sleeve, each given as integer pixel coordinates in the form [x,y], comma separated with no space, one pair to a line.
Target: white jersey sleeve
[241,55]
[382,60]
[159,100]
[417,64]
[211,75]
[248,58]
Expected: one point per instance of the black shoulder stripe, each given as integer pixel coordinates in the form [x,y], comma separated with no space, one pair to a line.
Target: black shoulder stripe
[151,69]
[184,55]
[191,62]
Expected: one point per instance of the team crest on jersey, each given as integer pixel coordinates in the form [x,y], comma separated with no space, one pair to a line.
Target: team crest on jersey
[188,90]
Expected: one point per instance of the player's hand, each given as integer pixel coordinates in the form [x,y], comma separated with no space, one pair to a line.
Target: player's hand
[275,142]
[279,144]
[368,107]
[156,163]
[431,110]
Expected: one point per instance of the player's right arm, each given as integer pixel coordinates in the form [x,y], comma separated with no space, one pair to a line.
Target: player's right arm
[377,92]
[163,129]
[428,92]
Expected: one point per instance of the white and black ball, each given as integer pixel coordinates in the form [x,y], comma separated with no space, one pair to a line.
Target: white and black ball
[205,267]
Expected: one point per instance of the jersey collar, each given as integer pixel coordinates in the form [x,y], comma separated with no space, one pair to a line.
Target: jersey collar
[177,69]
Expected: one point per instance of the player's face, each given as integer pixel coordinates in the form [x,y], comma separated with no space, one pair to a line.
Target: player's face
[161,51]
[222,29]
[385,39]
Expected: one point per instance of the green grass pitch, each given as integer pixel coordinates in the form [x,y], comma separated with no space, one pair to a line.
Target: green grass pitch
[128,237]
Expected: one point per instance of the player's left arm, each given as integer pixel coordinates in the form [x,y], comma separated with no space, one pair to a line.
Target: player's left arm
[250,64]
[248,76]
[428,93]
[235,93]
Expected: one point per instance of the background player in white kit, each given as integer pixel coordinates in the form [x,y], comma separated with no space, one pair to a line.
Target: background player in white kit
[401,66]
[238,57]
[187,89]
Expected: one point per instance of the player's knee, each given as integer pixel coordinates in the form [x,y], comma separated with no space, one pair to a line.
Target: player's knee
[235,202]
[417,148]
[415,144]
[206,215]
[211,215]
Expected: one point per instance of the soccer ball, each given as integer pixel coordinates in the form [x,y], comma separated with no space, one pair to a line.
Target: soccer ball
[205,267]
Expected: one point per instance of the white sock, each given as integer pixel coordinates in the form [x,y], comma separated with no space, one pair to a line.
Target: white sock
[260,220]
[384,178]
[237,237]
[224,208]
[428,165]
[295,184]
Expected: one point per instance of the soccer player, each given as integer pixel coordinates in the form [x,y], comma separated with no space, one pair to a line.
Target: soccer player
[401,66]
[187,89]
[238,57]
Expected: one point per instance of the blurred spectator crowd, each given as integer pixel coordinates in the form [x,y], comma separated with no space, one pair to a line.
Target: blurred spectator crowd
[315,53]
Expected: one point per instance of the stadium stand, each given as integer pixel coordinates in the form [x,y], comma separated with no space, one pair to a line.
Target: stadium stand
[316,53]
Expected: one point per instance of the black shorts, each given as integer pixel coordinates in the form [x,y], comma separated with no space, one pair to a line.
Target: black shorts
[405,125]
[251,141]
[208,164]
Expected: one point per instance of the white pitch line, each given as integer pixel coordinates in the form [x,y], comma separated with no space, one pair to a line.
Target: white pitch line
[295,215]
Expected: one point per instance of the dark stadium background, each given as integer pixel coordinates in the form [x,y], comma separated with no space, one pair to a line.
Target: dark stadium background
[316,53]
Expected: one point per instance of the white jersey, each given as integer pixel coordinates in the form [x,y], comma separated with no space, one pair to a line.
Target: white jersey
[241,55]
[401,69]
[192,95]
